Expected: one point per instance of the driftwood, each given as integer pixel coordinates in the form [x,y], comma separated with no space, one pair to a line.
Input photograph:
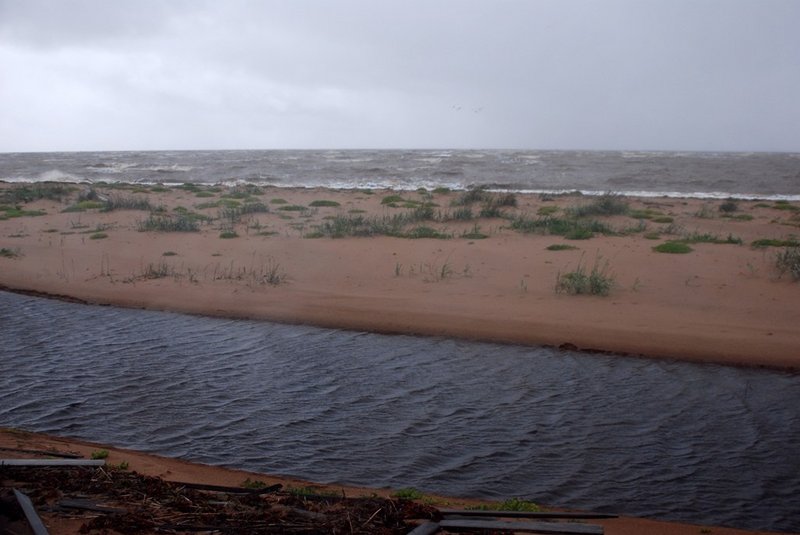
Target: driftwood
[550,528]
[525,514]
[52,462]
[34,521]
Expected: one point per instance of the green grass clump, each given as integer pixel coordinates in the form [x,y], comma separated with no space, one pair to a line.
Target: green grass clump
[323,202]
[560,247]
[598,281]
[440,190]
[784,205]
[253,484]
[561,226]
[547,210]
[673,247]
[17,212]
[204,194]
[292,208]
[706,237]
[228,234]
[98,236]
[99,454]
[766,242]
[392,200]
[8,253]
[728,206]
[159,189]
[408,494]
[82,206]
[512,504]
[278,201]
[165,223]
[169,253]
[788,261]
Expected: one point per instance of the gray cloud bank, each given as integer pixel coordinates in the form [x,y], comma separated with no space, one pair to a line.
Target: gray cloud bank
[624,74]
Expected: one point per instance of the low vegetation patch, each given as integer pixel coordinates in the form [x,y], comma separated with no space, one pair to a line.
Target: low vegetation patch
[8,253]
[512,504]
[560,247]
[126,203]
[673,247]
[98,236]
[474,234]
[26,193]
[292,208]
[323,202]
[15,211]
[164,223]
[228,234]
[765,242]
[408,494]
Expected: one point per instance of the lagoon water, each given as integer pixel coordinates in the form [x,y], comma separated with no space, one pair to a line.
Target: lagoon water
[671,440]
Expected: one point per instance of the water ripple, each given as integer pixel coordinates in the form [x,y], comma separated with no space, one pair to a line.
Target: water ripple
[700,443]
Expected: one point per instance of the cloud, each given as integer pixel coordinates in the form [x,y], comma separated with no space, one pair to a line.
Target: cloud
[239,74]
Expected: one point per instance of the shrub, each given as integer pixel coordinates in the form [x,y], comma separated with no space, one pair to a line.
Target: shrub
[788,261]
[728,206]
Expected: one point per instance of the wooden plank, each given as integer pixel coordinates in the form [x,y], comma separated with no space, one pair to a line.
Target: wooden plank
[86,505]
[525,514]
[34,521]
[554,528]
[428,528]
[228,490]
[52,462]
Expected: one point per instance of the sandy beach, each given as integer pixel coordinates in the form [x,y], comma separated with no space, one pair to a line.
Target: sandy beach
[15,444]
[489,275]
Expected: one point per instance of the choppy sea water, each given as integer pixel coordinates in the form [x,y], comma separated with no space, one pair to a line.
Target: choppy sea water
[694,174]
[671,440]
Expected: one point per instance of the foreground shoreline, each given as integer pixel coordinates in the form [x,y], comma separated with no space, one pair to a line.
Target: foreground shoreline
[723,303]
[12,440]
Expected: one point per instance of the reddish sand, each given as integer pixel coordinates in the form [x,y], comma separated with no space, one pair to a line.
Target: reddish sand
[177,470]
[722,302]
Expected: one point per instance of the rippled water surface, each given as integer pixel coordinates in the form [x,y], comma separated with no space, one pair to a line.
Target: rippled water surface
[702,443]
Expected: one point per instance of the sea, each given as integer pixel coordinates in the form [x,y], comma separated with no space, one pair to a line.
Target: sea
[693,442]
[693,174]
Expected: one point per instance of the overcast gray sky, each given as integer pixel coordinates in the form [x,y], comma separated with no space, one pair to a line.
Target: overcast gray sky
[560,74]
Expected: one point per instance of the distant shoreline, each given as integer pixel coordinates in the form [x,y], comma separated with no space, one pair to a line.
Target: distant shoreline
[439,273]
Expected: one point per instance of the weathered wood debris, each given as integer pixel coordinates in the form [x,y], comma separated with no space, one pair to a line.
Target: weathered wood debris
[109,499]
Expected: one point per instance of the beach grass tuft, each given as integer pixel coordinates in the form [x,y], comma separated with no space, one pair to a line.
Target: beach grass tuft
[598,281]
[408,493]
[561,247]
[788,261]
[605,205]
[164,223]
